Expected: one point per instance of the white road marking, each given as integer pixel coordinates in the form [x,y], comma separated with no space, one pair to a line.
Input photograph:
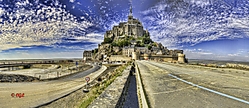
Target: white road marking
[210,90]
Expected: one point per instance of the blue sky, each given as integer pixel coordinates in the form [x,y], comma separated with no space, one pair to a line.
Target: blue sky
[204,29]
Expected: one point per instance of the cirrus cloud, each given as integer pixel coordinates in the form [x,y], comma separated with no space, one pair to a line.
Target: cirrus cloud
[44,26]
[190,22]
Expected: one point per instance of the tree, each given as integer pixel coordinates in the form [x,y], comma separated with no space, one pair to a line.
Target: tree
[154,44]
[149,47]
[142,45]
[107,40]
[138,43]
[123,43]
[114,44]
[146,40]
[95,51]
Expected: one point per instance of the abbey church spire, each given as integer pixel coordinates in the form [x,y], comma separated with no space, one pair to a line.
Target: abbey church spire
[130,14]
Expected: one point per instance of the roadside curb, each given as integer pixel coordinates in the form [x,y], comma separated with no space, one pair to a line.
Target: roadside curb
[140,90]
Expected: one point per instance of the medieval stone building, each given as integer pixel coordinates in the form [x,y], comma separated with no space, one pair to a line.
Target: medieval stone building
[87,55]
[133,27]
[108,52]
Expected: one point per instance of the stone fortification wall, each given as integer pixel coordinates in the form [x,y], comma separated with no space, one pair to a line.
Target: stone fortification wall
[181,58]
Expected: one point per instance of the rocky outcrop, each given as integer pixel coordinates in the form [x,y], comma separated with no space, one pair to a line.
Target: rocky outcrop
[237,66]
[17,78]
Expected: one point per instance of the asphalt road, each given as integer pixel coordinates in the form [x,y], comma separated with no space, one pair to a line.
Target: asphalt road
[167,92]
[37,93]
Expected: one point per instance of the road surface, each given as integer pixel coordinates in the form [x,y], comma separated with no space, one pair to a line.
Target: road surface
[166,91]
[37,93]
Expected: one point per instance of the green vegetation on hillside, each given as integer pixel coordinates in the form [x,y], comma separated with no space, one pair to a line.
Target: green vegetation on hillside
[107,40]
[95,51]
[147,40]
[121,43]
[126,41]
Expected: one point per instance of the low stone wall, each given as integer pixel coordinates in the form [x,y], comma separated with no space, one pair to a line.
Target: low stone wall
[114,95]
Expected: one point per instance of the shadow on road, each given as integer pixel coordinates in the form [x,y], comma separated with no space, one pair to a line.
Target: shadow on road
[131,97]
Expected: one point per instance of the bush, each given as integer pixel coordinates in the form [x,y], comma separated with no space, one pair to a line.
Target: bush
[139,44]
[149,47]
[27,66]
[123,43]
[146,40]
[107,40]
[114,44]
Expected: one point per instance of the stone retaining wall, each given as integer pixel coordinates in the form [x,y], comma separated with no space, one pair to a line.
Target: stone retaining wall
[114,95]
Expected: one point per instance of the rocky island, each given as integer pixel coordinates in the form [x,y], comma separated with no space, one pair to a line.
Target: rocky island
[129,41]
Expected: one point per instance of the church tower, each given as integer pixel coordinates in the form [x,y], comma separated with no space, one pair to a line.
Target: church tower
[133,27]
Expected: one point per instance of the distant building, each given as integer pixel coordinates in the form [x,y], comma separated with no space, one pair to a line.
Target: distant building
[119,59]
[142,50]
[127,51]
[87,55]
[116,49]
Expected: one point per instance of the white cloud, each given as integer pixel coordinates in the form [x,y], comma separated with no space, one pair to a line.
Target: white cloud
[77,48]
[91,37]
[37,31]
[1,11]
[199,2]
[72,1]
[208,55]
[233,55]
[181,25]
[44,55]
[95,35]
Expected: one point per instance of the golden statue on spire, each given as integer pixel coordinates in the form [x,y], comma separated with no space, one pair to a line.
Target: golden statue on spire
[130,8]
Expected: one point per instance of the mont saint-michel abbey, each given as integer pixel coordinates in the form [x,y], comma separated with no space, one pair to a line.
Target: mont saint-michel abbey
[133,27]
[129,41]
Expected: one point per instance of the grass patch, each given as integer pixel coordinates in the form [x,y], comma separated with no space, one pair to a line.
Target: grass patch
[97,89]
